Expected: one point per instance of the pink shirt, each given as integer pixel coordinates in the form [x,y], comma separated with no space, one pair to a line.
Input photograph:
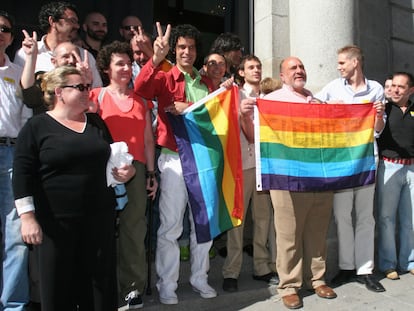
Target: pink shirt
[287,94]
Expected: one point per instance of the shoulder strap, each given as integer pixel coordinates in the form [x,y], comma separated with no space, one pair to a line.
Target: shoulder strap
[100,97]
[145,102]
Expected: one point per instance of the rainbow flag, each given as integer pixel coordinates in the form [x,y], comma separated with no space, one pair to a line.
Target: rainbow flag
[208,140]
[314,147]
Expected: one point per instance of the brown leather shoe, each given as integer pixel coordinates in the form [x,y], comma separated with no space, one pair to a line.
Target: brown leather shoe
[292,301]
[325,291]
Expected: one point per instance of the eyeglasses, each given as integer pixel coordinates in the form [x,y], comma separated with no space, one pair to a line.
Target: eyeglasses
[70,20]
[5,29]
[130,27]
[80,87]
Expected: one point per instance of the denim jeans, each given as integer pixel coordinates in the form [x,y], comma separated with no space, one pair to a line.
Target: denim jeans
[15,282]
[395,197]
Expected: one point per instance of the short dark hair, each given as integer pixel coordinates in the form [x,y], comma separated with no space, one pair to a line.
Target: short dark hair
[247,58]
[103,59]
[206,58]
[54,10]
[407,74]
[10,18]
[226,42]
[185,31]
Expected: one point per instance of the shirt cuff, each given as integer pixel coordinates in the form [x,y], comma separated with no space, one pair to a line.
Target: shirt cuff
[24,205]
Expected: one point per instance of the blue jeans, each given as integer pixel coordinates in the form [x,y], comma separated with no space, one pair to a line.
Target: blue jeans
[15,281]
[395,197]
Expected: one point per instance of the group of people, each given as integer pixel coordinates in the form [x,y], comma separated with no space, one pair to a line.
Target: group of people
[62,109]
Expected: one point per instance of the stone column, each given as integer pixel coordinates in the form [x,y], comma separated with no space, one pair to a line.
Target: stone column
[318,28]
[313,30]
[271,34]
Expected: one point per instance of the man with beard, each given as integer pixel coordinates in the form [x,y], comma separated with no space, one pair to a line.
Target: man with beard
[59,20]
[96,29]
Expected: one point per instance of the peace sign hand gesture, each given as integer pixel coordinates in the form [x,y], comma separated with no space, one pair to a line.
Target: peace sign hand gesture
[29,44]
[161,45]
[143,42]
[83,67]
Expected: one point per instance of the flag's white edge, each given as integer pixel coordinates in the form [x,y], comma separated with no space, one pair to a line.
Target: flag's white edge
[204,100]
[257,148]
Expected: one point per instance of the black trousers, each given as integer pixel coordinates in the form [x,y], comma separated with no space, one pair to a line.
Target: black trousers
[77,263]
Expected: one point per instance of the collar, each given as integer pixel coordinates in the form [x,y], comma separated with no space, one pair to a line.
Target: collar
[249,90]
[307,94]
[7,62]
[346,82]
[42,47]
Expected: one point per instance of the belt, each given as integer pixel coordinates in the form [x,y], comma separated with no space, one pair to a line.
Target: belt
[403,161]
[7,141]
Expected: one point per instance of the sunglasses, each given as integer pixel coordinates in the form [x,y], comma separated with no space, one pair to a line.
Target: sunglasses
[129,27]
[5,29]
[80,87]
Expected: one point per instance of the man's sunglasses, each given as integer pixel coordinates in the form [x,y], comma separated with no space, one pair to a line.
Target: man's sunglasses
[5,29]
[80,87]
[129,27]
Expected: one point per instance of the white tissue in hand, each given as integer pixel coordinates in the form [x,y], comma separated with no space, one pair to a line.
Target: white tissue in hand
[119,157]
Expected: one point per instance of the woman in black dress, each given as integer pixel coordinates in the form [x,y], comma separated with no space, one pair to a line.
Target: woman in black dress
[66,209]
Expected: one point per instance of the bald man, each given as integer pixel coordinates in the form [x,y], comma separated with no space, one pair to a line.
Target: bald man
[301,218]
[96,28]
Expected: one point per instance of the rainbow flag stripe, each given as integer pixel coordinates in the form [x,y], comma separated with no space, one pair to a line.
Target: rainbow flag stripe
[314,147]
[208,140]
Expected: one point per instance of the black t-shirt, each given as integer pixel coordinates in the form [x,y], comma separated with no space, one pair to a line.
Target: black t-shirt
[65,171]
[397,138]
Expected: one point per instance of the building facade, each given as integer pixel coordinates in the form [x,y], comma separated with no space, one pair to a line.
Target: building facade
[273,29]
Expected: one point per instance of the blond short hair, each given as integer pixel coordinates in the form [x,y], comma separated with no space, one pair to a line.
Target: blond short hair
[54,79]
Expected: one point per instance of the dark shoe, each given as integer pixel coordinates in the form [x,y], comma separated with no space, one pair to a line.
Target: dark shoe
[134,300]
[292,301]
[270,278]
[223,252]
[370,283]
[230,285]
[248,249]
[343,277]
[325,291]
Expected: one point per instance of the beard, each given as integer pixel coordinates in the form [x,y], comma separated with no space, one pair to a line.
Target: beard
[99,36]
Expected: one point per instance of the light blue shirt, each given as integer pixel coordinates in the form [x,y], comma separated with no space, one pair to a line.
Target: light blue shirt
[340,89]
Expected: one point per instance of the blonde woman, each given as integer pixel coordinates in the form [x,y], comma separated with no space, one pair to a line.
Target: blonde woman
[66,209]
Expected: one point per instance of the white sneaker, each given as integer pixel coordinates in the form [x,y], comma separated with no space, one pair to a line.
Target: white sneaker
[205,290]
[167,297]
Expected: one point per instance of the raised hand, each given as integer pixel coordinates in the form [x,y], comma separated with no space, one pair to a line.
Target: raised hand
[143,42]
[161,44]
[83,67]
[29,44]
